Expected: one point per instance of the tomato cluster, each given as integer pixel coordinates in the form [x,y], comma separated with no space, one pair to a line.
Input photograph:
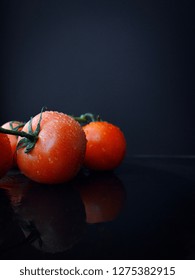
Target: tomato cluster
[52,147]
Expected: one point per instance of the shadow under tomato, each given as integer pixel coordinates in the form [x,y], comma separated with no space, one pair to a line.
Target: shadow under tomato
[103,196]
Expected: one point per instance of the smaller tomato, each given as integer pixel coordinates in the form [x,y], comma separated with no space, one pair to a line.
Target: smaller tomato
[6,158]
[106,145]
[13,125]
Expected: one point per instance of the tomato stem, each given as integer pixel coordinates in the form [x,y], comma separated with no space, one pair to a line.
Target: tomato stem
[29,138]
[87,118]
[18,133]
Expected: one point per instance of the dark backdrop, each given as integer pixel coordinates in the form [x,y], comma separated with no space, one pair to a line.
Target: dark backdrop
[132,62]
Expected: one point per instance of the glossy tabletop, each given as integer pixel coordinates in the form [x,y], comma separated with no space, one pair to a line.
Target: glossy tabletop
[145,209]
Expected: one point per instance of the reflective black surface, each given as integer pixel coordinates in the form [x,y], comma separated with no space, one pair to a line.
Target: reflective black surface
[143,210]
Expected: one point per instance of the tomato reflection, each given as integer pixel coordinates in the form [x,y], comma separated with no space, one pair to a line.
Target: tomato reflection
[15,185]
[52,217]
[103,195]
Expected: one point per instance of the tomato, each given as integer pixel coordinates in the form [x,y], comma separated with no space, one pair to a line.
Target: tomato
[106,145]
[59,151]
[12,138]
[6,158]
[103,196]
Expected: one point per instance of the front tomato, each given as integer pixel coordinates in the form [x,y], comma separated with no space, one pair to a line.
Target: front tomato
[59,151]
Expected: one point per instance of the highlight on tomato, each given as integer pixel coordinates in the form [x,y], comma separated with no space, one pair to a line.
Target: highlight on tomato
[14,126]
[53,148]
[103,196]
[6,158]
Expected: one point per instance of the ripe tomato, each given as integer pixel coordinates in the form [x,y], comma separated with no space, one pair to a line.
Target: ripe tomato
[59,151]
[106,145]
[12,138]
[103,196]
[6,158]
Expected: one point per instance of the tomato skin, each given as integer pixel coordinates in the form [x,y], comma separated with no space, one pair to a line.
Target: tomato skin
[6,158]
[106,145]
[13,139]
[59,151]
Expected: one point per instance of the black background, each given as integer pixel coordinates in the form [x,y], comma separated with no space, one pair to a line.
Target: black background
[131,62]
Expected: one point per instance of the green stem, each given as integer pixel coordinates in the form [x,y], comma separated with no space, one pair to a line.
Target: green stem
[85,118]
[18,133]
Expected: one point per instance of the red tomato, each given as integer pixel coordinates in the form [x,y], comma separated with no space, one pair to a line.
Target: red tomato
[59,151]
[106,145]
[12,138]
[6,158]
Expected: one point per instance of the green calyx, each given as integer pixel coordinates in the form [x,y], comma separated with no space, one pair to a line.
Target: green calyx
[29,142]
